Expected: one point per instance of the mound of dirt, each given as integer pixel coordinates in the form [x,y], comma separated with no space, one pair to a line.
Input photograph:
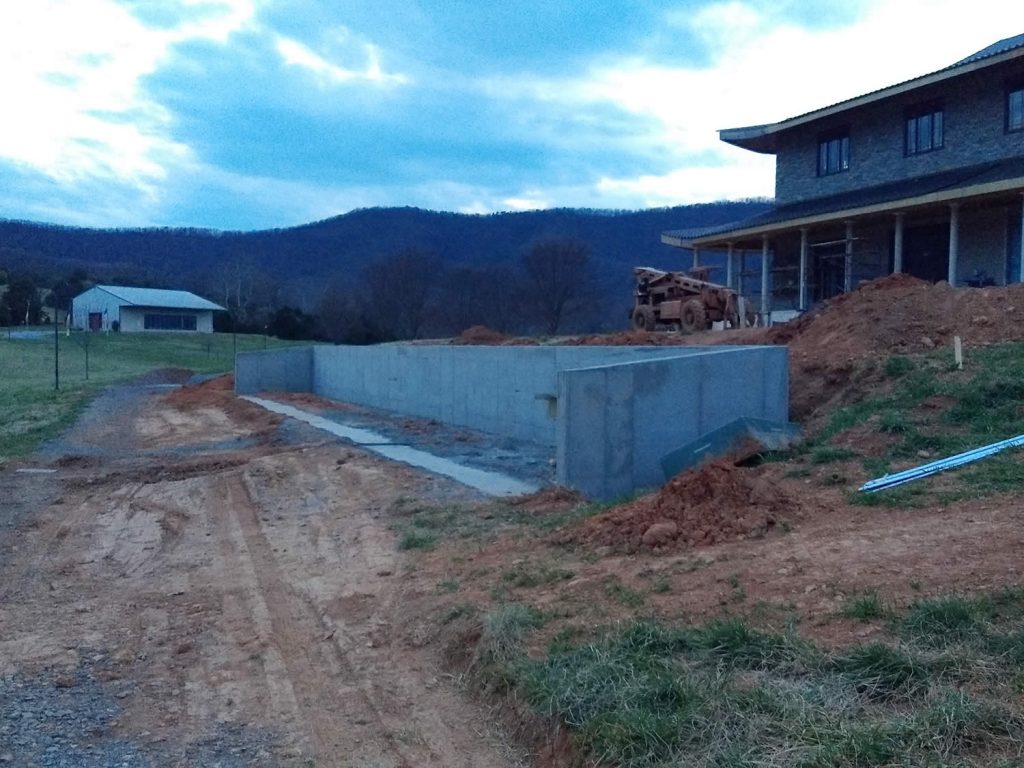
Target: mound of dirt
[209,392]
[219,393]
[715,502]
[899,314]
[481,335]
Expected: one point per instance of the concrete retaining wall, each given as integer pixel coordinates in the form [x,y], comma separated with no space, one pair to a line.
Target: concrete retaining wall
[504,390]
[608,413]
[288,370]
[619,420]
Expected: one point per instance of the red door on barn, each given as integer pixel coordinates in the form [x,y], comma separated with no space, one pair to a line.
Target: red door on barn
[95,321]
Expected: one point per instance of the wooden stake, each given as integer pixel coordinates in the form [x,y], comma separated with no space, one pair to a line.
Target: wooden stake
[958,353]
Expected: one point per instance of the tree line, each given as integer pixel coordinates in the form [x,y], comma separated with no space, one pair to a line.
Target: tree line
[410,294]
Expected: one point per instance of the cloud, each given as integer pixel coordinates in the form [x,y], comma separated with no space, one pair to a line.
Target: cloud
[760,63]
[72,88]
[295,54]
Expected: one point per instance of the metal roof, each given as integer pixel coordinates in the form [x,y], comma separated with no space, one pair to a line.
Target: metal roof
[158,297]
[1007,44]
[761,138]
[891,192]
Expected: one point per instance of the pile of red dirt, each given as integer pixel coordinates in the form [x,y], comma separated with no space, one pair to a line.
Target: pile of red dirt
[899,314]
[219,392]
[830,348]
[209,392]
[715,502]
[481,335]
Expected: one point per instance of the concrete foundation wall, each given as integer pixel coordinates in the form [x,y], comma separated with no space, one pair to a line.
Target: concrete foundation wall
[288,370]
[505,390]
[608,413]
[619,420]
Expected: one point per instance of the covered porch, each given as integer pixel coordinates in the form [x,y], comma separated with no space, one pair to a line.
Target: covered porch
[786,260]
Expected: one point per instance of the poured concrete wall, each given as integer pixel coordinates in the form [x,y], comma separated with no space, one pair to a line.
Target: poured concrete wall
[609,413]
[505,390]
[288,370]
[619,420]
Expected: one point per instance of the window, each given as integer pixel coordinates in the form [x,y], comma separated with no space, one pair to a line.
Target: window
[155,322]
[1015,108]
[924,131]
[833,153]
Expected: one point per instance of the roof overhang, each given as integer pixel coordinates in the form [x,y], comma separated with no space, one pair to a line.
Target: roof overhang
[763,138]
[724,238]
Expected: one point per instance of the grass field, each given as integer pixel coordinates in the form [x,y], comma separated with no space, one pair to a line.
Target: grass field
[942,690]
[32,410]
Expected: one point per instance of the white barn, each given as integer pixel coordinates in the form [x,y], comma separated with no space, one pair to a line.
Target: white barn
[116,307]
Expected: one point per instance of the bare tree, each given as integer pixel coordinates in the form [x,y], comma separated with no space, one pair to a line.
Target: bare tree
[343,316]
[558,280]
[490,296]
[399,290]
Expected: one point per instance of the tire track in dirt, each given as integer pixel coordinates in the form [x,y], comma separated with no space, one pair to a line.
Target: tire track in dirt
[321,688]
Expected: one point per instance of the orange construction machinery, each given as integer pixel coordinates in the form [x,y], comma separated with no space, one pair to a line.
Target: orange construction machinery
[683,301]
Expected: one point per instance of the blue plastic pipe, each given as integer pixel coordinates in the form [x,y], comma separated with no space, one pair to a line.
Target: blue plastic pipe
[909,475]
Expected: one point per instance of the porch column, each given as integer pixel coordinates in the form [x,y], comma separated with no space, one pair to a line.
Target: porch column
[897,245]
[741,270]
[848,260]
[728,266]
[954,240]
[1022,238]
[803,268]
[696,257]
[765,305]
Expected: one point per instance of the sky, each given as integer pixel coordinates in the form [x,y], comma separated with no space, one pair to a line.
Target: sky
[253,114]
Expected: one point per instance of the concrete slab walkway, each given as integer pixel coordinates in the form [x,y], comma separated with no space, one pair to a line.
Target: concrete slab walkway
[490,483]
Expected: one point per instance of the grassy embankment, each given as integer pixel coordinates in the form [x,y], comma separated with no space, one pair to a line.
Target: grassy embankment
[31,410]
[936,680]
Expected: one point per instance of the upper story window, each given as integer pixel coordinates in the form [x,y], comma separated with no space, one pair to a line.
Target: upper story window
[924,131]
[833,153]
[1015,108]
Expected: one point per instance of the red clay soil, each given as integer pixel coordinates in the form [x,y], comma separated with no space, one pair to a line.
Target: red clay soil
[481,335]
[219,393]
[554,499]
[209,392]
[715,502]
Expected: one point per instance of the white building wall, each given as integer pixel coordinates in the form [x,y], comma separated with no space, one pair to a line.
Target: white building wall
[94,300]
[132,320]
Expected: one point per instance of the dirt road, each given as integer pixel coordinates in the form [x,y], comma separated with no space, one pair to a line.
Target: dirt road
[197,584]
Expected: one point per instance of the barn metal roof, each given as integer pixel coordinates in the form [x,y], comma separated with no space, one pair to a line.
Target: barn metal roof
[762,138]
[158,297]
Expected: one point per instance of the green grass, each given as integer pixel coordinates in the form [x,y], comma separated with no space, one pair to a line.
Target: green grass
[32,410]
[946,620]
[932,411]
[527,575]
[898,366]
[647,694]
[865,606]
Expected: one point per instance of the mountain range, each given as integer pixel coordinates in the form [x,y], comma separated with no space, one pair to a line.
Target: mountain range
[302,261]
